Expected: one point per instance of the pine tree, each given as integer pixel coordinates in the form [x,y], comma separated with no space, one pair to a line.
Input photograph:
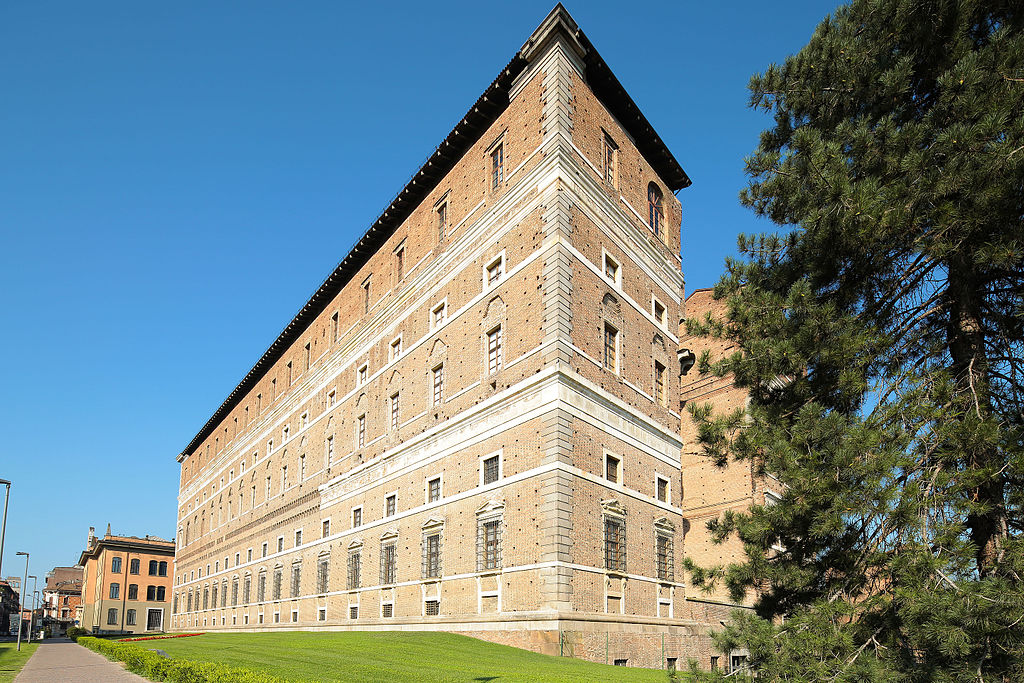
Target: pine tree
[881,335]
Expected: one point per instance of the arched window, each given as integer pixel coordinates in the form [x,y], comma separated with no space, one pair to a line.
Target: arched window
[654,208]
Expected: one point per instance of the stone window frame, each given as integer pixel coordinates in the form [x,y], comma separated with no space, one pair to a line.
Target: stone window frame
[612,511]
[497,261]
[387,495]
[659,373]
[658,478]
[362,374]
[323,572]
[656,303]
[664,529]
[619,467]
[325,527]
[492,511]
[497,364]
[611,360]
[352,517]
[497,146]
[354,569]
[442,308]
[399,253]
[434,526]
[609,159]
[395,348]
[500,453]
[437,387]
[443,217]
[606,259]
[439,477]
[388,570]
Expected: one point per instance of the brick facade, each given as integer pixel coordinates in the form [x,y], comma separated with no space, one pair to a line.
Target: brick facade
[526,267]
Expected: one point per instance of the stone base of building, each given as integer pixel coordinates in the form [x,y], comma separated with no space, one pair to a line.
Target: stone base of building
[628,640]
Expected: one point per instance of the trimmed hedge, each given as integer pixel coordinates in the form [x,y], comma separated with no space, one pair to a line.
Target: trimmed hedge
[157,668]
[75,632]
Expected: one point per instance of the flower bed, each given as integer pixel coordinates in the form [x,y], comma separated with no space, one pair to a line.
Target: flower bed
[173,635]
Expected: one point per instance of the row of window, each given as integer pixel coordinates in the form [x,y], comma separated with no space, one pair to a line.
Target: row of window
[615,548]
[488,558]
[130,617]
[490,472]
[153,593]
[156,568]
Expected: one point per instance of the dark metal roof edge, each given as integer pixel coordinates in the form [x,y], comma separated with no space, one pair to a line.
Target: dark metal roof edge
[467,131]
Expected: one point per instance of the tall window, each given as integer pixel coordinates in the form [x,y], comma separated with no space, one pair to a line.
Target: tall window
[111,616]
[611,151]
[497,166]
[322,577]
[361,431]
[366,295]
[437,315]
[206,597]
[115,565]
[614,544]
[115,591]
[394,411]
[326,528]
[494,355]
[129,618]
[659,383]
[133,591]
[656,215]
[432,556]
[298,538]
[354,566]
[388,562]
[246,589]
[442,220]
[400,261]
[133,566]
[390,505]
[495,270]
[161,593]
[612,468]
[334,326]
[611,343]
[434,490]
[330,449]
[664,556]
[224,593]
[489,544]
[438,393]
[213,596]
[357,517]
[276,592]
[491,469]
[261,587]
[296,576]
[662,489]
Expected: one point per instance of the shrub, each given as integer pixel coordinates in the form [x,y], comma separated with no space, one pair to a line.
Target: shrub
[74,632]
[157,668]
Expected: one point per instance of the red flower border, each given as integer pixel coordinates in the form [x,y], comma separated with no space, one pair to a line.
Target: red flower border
[176,635]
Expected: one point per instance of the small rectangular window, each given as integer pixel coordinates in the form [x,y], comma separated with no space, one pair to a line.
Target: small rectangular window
[495,270]
[361,431]
[334,326]
[611,268]
[434,490]
[662,489]
[361,375]
[332,398]
[400,261]
[432,608]
[133,591]
[308,354]
[395,411]
[611,151]
[357,517]
[438,314]
[497,166]
[326,528]
[611,346]
[659,383]
[658,310]
[288,366]
[396,348]
[264,549]
[115,591]
[438,385]
[494,351]
[353,611]
[491,469]
[387,610]
[390,505]
[442,220]
[612,468]
[304,420]
[366,295]
[298,538]
[280,544]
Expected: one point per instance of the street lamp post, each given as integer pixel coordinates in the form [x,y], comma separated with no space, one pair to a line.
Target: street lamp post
[3,529]
[38,601]
[21,598]
[31,609]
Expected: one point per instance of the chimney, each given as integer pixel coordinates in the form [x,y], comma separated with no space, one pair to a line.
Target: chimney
[92,537]
[108,530]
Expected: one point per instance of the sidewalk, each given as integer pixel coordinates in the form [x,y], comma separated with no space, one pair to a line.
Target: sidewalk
[60,659]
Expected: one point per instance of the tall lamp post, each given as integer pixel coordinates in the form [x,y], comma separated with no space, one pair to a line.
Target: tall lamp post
[31,608]
[21,597]
[3,529]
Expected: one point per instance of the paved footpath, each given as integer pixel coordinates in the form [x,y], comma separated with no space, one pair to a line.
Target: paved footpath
[61,660]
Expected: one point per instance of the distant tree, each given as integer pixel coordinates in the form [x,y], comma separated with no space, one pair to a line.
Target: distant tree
[881,341]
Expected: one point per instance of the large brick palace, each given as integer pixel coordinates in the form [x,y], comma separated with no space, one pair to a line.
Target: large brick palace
[475,423]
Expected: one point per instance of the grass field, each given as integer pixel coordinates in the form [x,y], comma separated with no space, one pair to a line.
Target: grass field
[11,661]
[391,656]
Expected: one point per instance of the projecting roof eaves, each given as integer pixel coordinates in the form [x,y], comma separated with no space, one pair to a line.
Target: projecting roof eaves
[467,131]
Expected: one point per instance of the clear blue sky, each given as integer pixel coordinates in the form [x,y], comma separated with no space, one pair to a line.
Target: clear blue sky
[165,167]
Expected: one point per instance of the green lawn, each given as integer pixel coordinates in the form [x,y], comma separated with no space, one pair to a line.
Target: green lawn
[391,656]
[11,660]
